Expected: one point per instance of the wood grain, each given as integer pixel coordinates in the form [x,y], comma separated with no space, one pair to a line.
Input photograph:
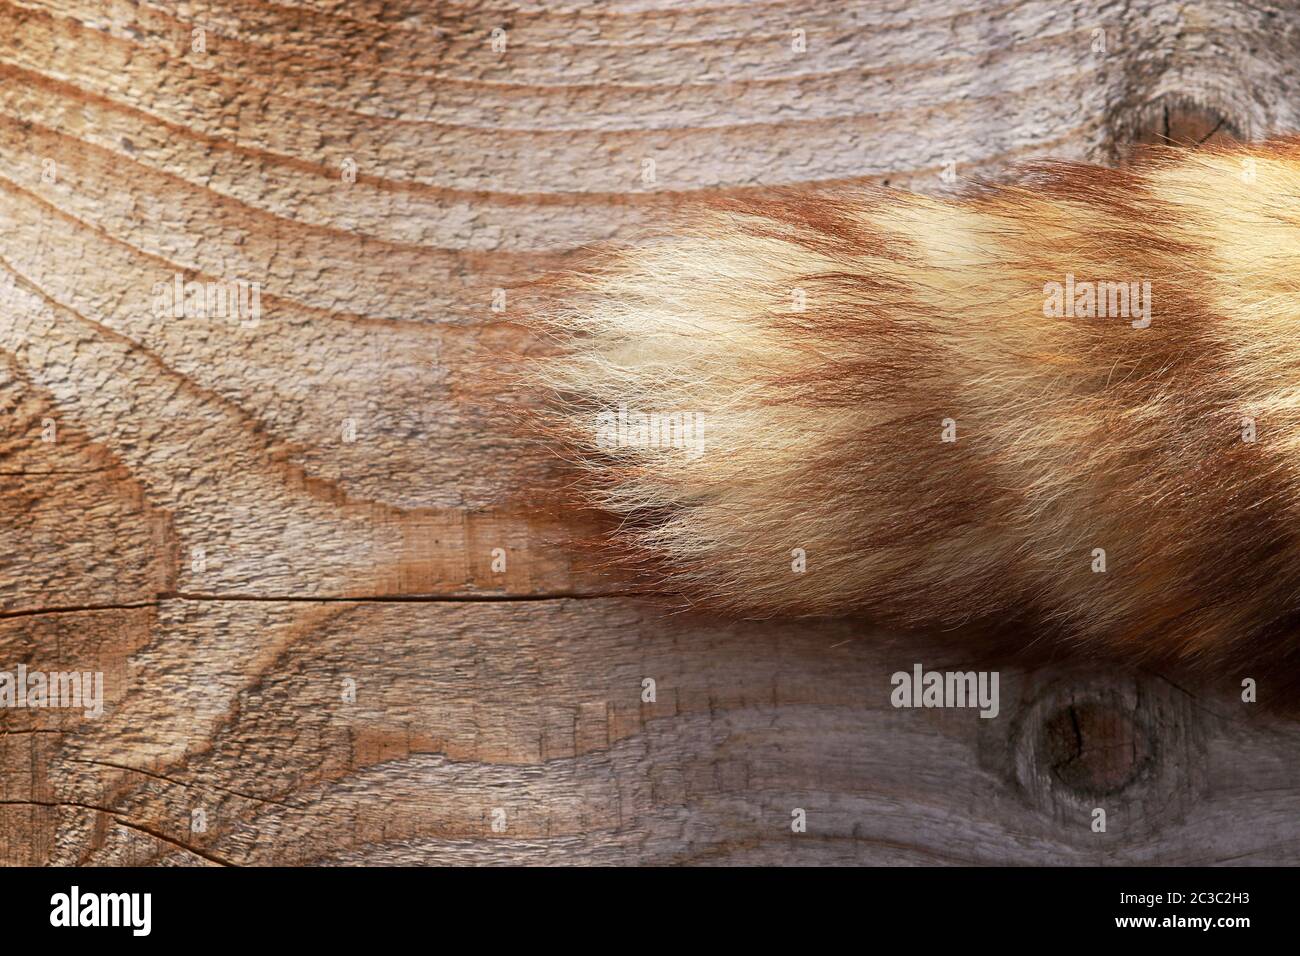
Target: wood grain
[232,522]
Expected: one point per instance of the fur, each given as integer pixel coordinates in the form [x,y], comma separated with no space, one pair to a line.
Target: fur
[824,341]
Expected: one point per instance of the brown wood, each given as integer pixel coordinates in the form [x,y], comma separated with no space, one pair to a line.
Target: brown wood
[201,531]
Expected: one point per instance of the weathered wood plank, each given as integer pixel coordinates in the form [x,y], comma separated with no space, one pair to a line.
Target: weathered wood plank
[536,708]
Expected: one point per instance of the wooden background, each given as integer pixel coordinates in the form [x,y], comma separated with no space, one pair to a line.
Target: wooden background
[201,531]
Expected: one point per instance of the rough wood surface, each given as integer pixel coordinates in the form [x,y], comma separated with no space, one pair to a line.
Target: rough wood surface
[238,526]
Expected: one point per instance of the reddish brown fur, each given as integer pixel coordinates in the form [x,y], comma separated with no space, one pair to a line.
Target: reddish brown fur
[1074,433]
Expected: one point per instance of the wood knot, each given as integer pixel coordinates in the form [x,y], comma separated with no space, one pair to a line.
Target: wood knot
[1133,746]
[1175,120]
[1094,746]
